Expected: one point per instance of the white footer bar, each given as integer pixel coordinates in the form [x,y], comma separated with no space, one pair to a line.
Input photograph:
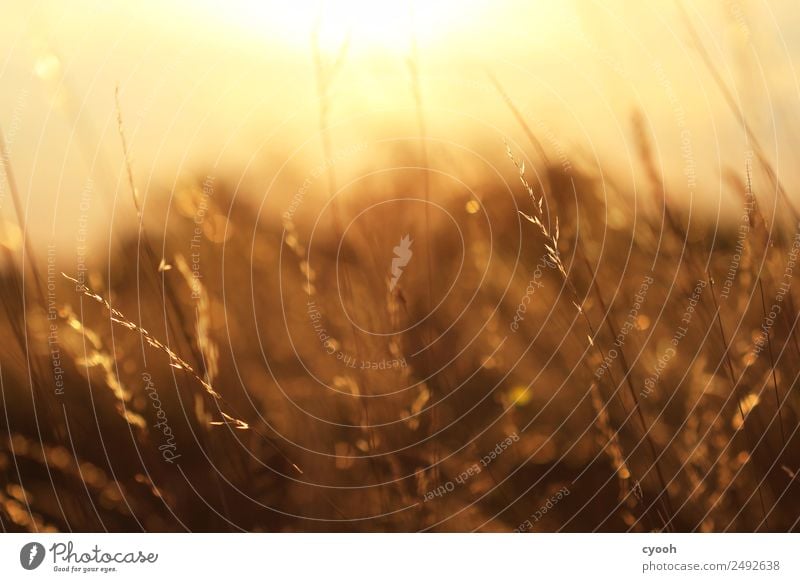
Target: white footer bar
[401,557]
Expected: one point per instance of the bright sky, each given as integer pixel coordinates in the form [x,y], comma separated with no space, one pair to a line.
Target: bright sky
[233,83]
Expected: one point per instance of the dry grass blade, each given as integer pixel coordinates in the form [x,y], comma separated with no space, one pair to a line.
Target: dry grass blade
[206,345]
[175,360]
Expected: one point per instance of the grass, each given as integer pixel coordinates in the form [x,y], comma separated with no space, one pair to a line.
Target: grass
[282,425]
[296,389]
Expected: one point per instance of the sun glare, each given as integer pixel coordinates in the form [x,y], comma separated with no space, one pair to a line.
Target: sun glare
[366,25]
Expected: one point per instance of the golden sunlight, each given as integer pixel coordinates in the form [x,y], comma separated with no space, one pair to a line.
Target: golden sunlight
[364,25]
[398,266]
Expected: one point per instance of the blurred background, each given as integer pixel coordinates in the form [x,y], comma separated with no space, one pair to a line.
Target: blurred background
[266,267]
[233,86]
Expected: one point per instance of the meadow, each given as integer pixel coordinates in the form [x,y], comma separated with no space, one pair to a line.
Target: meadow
[648,369]
[435,342]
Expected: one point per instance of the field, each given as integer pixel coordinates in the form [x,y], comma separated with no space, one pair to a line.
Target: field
[436,341]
